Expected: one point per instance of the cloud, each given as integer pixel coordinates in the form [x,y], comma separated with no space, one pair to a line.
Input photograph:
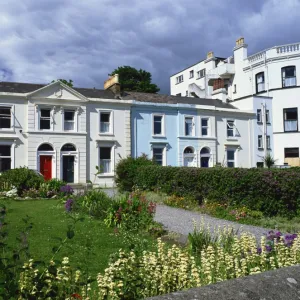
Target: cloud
[86,40]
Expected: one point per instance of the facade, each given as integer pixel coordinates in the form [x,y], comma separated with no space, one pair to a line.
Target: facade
[264,83]
[63,132]
[192,132]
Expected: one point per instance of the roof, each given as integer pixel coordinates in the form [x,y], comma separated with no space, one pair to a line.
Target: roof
[18,87]
[158,98]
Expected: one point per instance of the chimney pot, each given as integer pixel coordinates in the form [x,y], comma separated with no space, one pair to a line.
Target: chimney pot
[112,83]
[210,54]
[240,41]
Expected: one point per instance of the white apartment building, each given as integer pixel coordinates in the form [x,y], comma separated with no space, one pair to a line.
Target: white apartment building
[264,83]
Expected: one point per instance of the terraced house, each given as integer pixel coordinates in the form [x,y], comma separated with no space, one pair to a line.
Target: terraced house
[66,132]
[265,83]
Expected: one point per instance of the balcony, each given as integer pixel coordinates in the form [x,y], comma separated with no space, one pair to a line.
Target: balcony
[222,71]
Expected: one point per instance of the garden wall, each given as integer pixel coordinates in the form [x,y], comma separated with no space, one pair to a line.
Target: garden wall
[273,192]
[279,284]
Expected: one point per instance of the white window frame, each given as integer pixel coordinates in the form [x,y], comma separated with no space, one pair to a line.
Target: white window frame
[179,79]
[234,160]
[164,156]
[12,145]
[193,125]
[75,110]
[52,113]
[111,121]
[163,131]
[268,142]
[207,127]
[12,119]
[111,145]
[201,73]
[233,129]
[259,116]
[260,142]
[191,73]
[268,116]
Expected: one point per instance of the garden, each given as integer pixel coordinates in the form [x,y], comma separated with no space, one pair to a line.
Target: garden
[57,244]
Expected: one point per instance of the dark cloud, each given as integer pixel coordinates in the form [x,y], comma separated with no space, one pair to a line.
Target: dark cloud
[86,40]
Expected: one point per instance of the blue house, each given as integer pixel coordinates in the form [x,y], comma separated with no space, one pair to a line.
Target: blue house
[185,131]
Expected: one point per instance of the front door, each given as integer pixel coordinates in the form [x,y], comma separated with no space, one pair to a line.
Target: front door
[68,168]
[46,166]
[204,162]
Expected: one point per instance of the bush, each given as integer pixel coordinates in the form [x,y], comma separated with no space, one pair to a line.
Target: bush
[273,192]
[94,202]
[21,178]
[126,170]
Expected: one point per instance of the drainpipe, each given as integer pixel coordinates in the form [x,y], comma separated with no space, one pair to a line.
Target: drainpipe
[264,128]
[267,71]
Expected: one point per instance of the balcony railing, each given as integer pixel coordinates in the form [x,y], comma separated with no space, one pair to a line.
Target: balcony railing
[288,48]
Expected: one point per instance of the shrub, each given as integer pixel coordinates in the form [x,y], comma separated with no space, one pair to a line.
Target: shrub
[186,202]
[126,170]
[131,213]
[273,191]
[21,178]
[94,202]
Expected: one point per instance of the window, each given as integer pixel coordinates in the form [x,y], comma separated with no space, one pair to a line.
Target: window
[68,147]
[204,127]
[191,73]
[45,119]
[186,93]
[288,76]
[201,73]
[157,125]
[267,117]
[230,158]
[268,142]
[179,94]
[258,115]
[179,79]
[189,126]
[260,142]
[105,159]
[291,152]
[105,122]
[260,82]
[230,128]
[158,155]
[234,88]
[259,164]
[69,120]
[290,116]
[5,157]
[5,117]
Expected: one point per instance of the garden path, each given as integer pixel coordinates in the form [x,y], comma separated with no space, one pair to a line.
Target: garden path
[181,221]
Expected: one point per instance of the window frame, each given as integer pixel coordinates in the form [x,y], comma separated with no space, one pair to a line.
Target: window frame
[192,74]
[234,157]
[201,73]
[11,157]
[11,109]
[207,127]
[291,156]
[179,79]
[268,140]
[74,120]
[268,116]
[112,146]
[259,113]
[50,118]
[193,125]
[233,129]
[163,132]
[256,83]
[164,156]
[111,121]
[283,78]
[284,111]
[234,89]
[260,142]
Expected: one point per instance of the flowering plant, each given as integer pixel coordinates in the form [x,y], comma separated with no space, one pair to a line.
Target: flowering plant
[66,190]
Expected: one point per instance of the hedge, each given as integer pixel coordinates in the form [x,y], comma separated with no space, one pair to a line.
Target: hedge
[272,191]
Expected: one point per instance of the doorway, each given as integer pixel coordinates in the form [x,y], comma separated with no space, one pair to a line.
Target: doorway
[46,166]
[204,157]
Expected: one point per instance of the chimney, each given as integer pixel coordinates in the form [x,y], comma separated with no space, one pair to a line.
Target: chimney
[210,55]
[240,50]
[112,83]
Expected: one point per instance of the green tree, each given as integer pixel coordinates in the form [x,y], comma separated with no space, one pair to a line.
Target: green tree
[64,81]
[135,80]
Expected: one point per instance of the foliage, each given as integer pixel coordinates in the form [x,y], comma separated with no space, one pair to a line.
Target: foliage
[181,202]
[132,79]
[126,170]
[64,81]
[94,202]
[273,192]
[66,190]
[131,213]
[21,178]
[269,160]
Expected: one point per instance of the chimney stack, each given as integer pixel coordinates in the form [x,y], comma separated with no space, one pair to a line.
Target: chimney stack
[210,55]
[112,83]
[239,42]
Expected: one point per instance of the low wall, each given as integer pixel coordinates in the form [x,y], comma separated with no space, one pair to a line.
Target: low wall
[280,284]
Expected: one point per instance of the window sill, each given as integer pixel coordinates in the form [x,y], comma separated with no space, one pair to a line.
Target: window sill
[191,77]
[260,123]
[106,175]
[7,130]
[260,148]
[106,134]
[178,82]
[232,139]
[200,77]
[158,136]
[291,131]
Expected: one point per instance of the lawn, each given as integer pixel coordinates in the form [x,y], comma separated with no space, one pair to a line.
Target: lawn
[51,221]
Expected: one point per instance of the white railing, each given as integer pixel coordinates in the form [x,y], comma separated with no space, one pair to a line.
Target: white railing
[257,57]
[288,48]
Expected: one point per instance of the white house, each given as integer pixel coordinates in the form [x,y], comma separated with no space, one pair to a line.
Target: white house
[264,83]
[63,132]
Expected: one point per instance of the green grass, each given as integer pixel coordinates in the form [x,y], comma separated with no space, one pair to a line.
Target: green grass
[49,221]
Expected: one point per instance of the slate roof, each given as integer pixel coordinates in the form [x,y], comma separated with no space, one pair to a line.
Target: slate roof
[158,98]
[17,87]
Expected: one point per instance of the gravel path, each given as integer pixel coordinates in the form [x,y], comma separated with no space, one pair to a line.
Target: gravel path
[181,221]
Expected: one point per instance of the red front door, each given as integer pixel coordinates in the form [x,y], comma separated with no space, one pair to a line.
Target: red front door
[46,166]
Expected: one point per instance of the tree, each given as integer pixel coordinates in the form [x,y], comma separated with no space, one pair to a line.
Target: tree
[135,80]
[64,81]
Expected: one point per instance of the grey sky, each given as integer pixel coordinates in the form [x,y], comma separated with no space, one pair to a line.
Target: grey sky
[86,40]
